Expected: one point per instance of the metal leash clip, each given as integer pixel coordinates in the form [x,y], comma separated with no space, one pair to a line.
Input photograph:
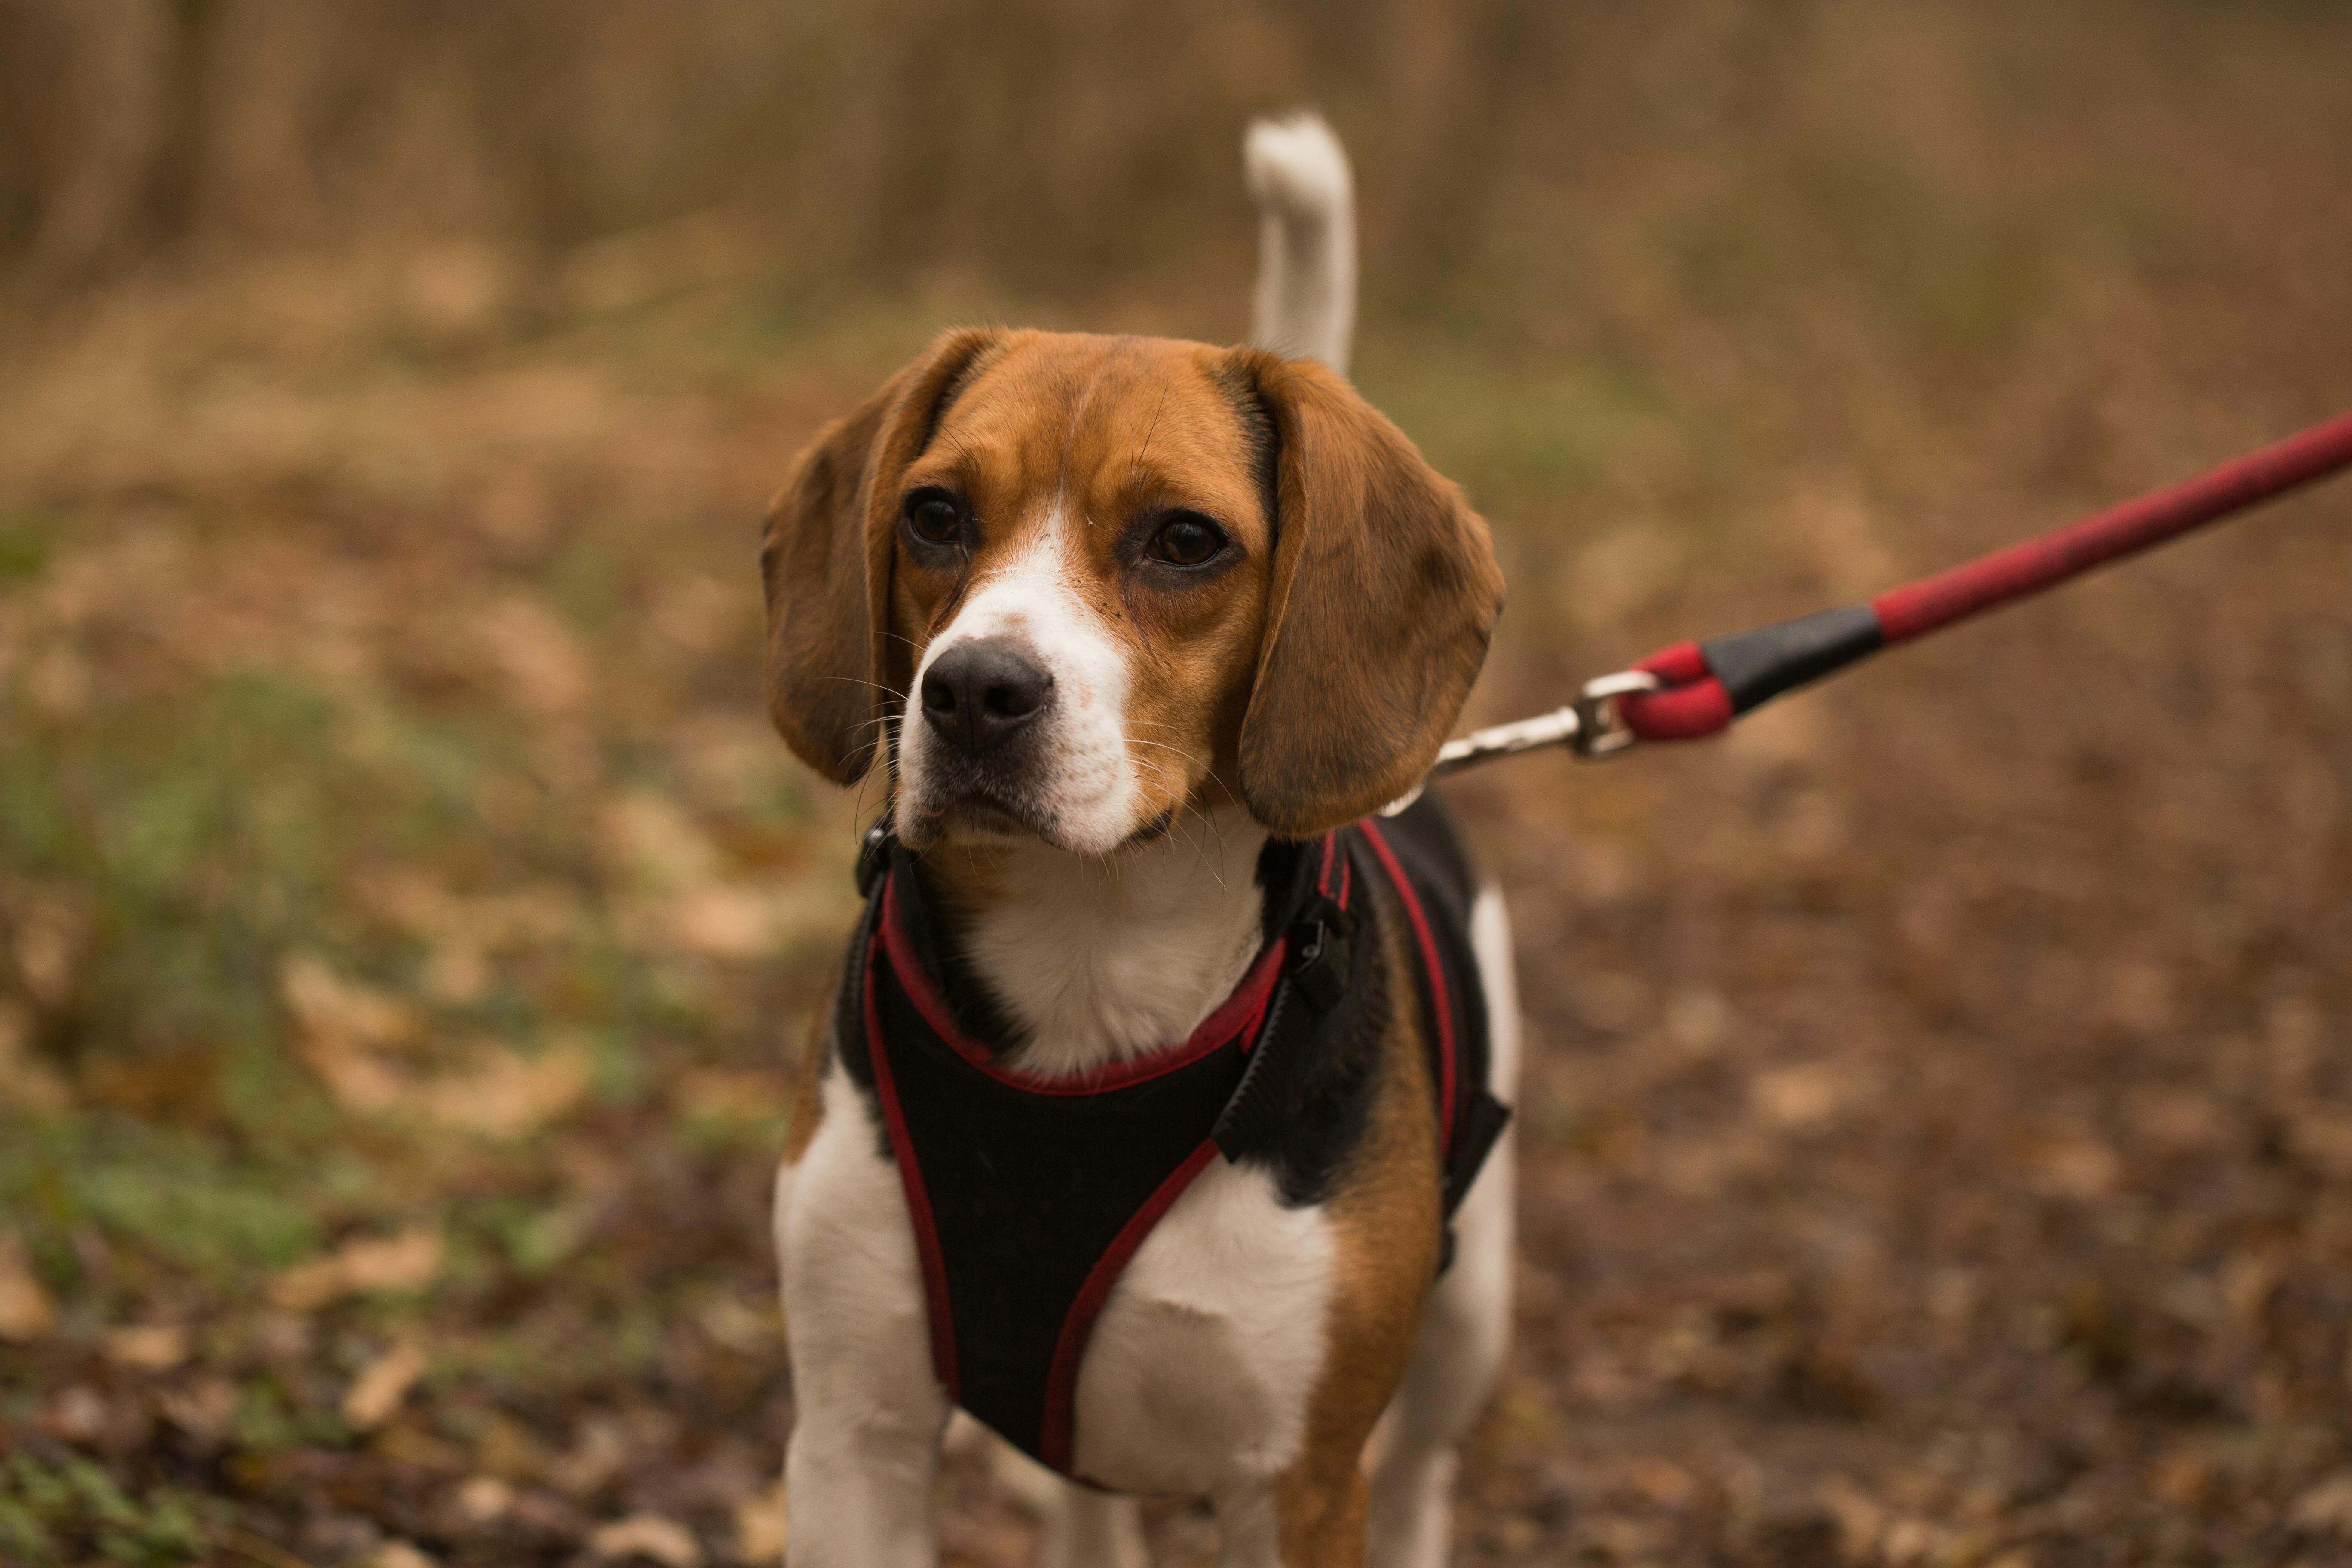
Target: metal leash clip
[1592,726]
[1602,729]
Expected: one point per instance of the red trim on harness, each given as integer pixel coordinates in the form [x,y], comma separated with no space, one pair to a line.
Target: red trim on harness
[1430,966]
[940,1316]
[1236,1015]
[1061,1380]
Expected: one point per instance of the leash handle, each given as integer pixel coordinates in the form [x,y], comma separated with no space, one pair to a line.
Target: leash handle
[1702,686]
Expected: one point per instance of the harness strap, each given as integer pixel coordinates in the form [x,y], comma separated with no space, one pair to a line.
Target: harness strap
[1317,968]
[1321,969]
[1469,1124]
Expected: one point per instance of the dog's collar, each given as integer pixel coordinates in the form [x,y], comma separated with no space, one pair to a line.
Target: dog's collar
[1307,888]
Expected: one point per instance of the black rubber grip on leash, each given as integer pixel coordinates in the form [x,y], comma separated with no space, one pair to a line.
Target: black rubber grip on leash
[1757,666]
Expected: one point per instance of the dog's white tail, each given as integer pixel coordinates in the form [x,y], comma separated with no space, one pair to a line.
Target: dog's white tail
[1306,299]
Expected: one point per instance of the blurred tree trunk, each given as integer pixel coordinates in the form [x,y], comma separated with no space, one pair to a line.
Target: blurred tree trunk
[93,82]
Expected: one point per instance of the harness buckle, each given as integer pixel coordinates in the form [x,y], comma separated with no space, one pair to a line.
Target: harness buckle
[873,856]
[1320,962]
[1600,729]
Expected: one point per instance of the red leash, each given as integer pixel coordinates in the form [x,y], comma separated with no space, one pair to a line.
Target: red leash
[1697,689]
[1703,686]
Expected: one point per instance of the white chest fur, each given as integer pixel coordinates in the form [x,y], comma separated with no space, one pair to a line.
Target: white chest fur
[1099,959]
[1199,1370]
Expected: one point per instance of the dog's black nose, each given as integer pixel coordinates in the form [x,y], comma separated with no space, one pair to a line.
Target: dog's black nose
[979,693]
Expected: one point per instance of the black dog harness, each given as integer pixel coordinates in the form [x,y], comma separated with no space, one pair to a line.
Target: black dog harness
[1029,1196]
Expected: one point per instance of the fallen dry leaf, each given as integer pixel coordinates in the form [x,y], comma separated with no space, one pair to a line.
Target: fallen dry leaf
[326,1004]
[721,922]
[1861,1521]
[149,1347]
[382,1385]
[78,1413]
[1909,1539]
[1804,1096]
[593,1459]
[665,1541]
[203,1409]
[51,928]
[366,1266]
[485,1500]
[2078,1166]
[409,899]
[26,1314]
[1663,1481]
[359,1080]
[540,662]
[652,839]
[2326,1509]
[733,1094]
[761,1523]
[511,1094]
[456,972]
[341,1025]
[747,1328]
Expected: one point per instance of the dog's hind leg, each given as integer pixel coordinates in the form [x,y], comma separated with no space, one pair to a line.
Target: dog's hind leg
[1466,1325]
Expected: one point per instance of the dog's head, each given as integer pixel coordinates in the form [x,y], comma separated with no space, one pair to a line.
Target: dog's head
[1073,585]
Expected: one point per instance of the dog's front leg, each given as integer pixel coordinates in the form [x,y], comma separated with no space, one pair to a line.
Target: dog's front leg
[1312,1517]
[868,1412]
[859,1490]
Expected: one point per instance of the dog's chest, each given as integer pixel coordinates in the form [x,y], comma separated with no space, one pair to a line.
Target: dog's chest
[1203,1363]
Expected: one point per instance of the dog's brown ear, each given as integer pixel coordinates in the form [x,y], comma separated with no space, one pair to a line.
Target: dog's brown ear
[1384,594]
[826,560]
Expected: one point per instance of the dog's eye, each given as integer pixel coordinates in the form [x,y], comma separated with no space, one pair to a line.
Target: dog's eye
[1187,540]
[934,516]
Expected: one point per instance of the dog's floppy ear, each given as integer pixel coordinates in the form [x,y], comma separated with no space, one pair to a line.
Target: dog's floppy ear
[1384,595]
[826,560]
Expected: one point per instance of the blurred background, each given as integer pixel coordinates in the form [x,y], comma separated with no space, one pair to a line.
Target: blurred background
[1938,1132]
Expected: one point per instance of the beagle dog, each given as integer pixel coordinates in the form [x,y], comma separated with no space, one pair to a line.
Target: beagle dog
[1159,1119]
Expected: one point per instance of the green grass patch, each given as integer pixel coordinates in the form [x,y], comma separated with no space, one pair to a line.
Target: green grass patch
[72,1512]
[156,1192]
[1958,280]
[27,541]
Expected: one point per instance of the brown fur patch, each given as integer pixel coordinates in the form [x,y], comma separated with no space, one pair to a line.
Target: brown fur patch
[808,1089]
